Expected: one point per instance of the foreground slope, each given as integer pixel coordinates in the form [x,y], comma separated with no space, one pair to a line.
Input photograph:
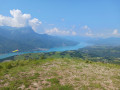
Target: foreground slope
[59,74]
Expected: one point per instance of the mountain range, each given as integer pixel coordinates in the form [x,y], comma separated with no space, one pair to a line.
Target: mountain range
[25,39]
[108,41]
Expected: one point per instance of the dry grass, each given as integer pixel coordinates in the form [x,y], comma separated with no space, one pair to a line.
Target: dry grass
[77,73]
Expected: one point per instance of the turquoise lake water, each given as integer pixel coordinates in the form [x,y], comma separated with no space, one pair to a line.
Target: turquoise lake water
[66,48]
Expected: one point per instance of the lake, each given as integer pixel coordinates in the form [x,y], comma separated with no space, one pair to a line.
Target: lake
[66,48]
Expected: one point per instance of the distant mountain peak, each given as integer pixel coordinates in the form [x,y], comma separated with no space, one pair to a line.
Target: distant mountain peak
[19,30]
[25,39]
[25,30]
[15,28]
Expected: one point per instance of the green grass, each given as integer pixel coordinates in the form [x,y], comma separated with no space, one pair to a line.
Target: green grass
[58,74]
[59,87]
[53,80]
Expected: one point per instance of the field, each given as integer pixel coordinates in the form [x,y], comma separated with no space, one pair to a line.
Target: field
[59,74]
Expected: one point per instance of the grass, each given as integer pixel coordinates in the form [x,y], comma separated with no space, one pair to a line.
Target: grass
[59,87]
[59,74]
[53,80]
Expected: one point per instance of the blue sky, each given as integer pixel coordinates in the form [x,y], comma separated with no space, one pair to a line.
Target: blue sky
[64,17]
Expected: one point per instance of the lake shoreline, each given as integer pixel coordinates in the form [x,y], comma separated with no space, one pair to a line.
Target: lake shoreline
[59,49]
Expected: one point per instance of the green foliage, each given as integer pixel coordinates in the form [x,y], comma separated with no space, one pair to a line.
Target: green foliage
[5,88]
[42,57]
[59,87]
[36,74]
[96,85]
[96,53]
[1,67]
[28,68]
[8,66]
[53,80]
[87,61]
[117,77]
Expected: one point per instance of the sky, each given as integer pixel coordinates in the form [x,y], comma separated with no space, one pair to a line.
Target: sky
[93,18]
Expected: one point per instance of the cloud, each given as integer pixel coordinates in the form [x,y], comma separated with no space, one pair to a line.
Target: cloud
[85,27]
[87,31]
[34,23]
[74,33]
[89,34]
[18,19]
[115,32]
[56,31]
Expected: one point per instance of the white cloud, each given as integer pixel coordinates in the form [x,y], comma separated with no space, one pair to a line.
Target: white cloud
[56,31]
[74,33]
[87,31]
[115,32]
[85,27]
[89,34]
[34,23]
[18,19]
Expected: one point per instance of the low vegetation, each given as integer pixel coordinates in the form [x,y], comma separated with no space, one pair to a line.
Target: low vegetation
[58,74]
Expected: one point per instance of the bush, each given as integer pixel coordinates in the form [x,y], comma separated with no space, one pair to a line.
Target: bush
[88,61]
[1,67]
[9,66]
[53,80]
[43,57]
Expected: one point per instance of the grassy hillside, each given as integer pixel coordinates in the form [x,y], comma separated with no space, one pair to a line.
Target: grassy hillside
[59,74]
[97,54]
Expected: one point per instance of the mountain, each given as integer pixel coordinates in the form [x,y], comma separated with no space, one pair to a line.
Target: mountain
[111,41]
[25,39]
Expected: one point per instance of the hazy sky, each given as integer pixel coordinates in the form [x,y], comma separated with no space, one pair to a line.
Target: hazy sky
[97,18]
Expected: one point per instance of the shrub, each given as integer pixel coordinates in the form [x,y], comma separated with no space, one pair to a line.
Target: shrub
[36,74]
[88,61]
[53,80]
[42,57]
[1,67]
[9,66]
